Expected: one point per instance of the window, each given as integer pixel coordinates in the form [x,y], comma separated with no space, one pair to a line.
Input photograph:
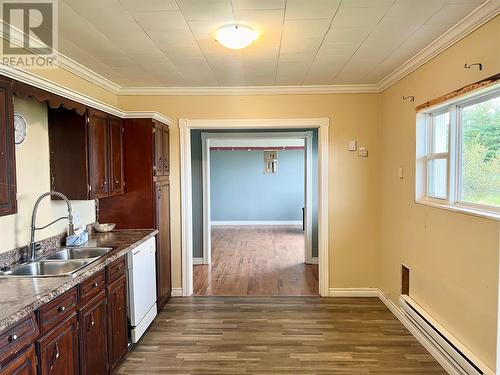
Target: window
[458,154]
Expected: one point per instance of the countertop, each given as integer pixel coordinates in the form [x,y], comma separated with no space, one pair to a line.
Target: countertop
[21,296]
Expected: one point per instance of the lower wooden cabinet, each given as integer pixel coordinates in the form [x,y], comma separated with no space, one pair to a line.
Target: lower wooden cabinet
[23,364]
[93,336]
[58,349]
[84,331]
[117,320]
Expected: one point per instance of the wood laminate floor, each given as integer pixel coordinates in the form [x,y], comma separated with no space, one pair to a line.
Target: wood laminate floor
[278,335]
[256,260]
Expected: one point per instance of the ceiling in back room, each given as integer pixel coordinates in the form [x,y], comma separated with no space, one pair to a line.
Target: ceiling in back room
[171,43]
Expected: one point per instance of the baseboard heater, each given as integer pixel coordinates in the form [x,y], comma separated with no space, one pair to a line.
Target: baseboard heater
[456,358]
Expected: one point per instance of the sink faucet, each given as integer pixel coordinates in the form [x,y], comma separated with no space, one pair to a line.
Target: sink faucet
[32,245]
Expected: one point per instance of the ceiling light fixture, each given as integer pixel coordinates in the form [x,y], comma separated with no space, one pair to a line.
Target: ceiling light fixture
[236,36]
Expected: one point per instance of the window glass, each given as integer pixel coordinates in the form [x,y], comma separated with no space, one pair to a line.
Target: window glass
[440,131]
[437,178]
[481,153]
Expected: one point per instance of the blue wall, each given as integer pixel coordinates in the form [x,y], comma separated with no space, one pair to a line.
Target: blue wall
[241,191]
[197,180]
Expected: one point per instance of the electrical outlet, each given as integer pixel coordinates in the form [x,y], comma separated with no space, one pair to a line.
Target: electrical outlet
[353,145]
[363,152]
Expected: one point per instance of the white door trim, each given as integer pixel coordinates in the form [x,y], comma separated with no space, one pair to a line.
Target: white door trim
[207,138]
[186,125]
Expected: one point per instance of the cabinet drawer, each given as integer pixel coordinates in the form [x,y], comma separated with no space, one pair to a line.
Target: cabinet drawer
[54,312]
[116,269]
[17,337]
[92,286]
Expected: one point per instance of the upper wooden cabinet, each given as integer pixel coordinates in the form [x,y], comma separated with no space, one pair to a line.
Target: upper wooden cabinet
[86,154]
[8,202]
[161,160]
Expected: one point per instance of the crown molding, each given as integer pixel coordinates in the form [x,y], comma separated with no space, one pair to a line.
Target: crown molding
[154,115]
[44,84]
[252,90]
[481,15]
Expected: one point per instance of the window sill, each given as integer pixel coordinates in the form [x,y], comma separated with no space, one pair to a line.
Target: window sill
[461,209]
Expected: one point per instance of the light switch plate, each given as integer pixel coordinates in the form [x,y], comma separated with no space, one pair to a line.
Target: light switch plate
[363,152]
[401,172]
[353,145]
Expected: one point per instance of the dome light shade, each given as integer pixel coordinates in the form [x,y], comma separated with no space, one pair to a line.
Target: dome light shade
[236,36]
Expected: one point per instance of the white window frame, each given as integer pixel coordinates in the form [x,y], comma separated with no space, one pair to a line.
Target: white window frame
[454,155]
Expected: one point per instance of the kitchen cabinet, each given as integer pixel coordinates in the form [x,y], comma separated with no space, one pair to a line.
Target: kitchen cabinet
[116,156]
[146,168]
[163,274]
[86,154]
[161,141]
[93,337]
[98,153]
[23,364]
[8,202]
[117,321]
[58,349]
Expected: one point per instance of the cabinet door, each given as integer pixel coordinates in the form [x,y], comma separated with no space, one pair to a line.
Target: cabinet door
[23,364]
[158,154]
[117,318]
[163,243]
[93,337]
[98,154]
[165,150]
[8,204]
[116,156]
[58,349]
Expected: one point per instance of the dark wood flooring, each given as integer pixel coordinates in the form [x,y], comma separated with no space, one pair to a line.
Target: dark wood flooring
[257,260]
[278,335]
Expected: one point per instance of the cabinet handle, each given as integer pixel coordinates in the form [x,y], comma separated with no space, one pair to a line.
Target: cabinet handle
[105,182]
[55,357]
[95,285]
[117,182]
[13,337]
[62,309]
[92,321]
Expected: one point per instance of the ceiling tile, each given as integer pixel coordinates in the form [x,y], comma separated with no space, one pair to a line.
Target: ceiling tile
[161,21]
[170,39]
[258,4]
[358,17]
[405,8]
[299,9]
[149,5]
[451,13]
[261,20]
[206,9]
[366,3]
[346,35]
[306,28]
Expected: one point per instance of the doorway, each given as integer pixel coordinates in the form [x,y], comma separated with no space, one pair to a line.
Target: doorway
[258,216]
[269,125]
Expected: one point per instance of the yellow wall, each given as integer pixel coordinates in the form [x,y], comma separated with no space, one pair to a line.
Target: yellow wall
[354,181]
[453,257]
[33,179]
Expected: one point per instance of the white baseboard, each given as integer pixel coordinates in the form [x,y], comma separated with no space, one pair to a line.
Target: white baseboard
[249,222]
[313,260]
[176,292]
[198,261]
[353,292]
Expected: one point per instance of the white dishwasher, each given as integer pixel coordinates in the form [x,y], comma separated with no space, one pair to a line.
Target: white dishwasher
[141,287]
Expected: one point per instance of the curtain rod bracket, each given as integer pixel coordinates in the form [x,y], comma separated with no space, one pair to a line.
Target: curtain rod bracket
[468,66]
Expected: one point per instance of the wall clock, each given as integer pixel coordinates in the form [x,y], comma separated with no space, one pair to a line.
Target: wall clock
[20,128]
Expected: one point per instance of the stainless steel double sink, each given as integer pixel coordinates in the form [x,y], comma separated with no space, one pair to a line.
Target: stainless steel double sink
[63,262]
